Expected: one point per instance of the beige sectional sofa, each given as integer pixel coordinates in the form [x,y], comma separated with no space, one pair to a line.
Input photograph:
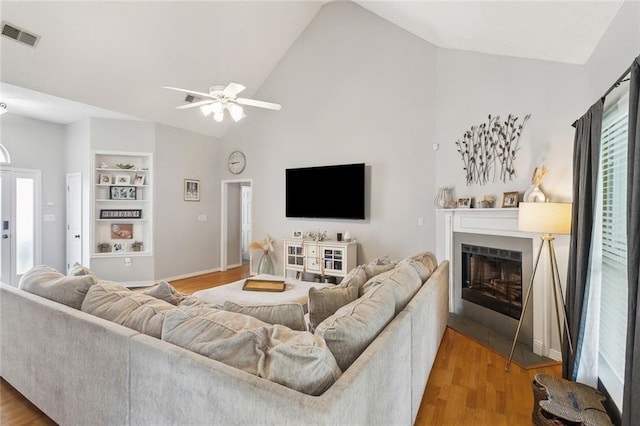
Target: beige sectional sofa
[82,369]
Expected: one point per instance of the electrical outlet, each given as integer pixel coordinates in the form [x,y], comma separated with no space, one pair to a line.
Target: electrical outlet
[128,261]
[420,221]
[202,218]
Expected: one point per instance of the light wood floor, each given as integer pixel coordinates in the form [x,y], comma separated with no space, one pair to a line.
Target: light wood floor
[467,386]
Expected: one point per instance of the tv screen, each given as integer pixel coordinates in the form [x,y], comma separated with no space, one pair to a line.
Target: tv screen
[327,192]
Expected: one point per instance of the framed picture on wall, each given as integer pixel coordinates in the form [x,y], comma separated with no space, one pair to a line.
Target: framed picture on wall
[191,190]
[122,231]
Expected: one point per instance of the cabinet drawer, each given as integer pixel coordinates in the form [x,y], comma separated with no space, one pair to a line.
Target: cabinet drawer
[312,265]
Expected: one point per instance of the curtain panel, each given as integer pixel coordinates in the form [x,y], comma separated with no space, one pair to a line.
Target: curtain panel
[586,160]
[631,395]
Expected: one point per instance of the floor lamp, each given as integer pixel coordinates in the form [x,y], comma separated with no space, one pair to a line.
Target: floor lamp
[547,219]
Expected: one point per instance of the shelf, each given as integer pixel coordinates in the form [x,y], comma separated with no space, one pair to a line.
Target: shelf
[109,200]
[122,170]
[124,220]
[122,254]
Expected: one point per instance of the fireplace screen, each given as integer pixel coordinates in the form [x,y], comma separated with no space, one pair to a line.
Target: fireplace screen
[493,278]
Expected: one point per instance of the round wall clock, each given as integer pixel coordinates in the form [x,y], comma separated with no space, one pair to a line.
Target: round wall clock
[237,162]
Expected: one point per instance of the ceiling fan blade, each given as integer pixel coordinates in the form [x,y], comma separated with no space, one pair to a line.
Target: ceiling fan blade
[232,90]
[196,104]
[259,104]
[191,92]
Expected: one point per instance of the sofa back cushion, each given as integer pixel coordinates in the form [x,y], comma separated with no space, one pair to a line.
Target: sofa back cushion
[404,282]
[296,359]
[353,327]
[49,283]
[165,291]
[288,314]
[135,310]
[428,261]
[324,302]
[355,278]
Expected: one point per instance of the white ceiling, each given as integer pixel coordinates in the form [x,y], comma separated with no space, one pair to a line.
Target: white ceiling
[117,55]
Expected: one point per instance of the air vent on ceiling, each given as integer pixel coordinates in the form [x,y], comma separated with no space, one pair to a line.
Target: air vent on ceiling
[17,34]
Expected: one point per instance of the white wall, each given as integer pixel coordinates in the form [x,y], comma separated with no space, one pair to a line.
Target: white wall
[473,85]
[354,88]
[77,138]
[39,145]
[615,52]
[184,245]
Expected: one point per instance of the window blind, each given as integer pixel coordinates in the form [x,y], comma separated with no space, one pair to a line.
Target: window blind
[613,309]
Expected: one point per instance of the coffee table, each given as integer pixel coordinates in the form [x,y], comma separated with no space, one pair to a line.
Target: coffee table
[296,291]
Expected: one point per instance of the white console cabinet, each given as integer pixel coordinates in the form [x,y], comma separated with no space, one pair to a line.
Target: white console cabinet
[332,258]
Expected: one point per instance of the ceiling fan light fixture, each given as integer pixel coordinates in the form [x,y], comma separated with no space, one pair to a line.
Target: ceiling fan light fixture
[217,107]
[218,116]
[206,109]
[236,111]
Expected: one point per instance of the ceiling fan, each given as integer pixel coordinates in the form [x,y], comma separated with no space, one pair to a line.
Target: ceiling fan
[220,98]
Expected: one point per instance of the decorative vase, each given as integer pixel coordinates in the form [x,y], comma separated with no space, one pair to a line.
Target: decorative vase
[265,266]
[443,197]
[534,195]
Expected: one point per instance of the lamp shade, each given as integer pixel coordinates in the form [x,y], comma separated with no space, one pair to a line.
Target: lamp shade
[546,218]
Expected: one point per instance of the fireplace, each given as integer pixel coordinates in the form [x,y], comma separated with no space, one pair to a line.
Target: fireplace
[492,277]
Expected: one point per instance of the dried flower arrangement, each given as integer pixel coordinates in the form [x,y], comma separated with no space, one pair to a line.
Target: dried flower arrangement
[265,245]
[538,175]
[489,143]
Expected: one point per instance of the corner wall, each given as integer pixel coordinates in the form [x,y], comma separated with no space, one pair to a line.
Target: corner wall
[354,88]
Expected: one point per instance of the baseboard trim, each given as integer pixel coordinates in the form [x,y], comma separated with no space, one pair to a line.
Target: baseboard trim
[191,274]
[555,355]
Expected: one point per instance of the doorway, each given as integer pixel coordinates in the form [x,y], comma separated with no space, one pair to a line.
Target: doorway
[74,219]
[236,221]
[20,247]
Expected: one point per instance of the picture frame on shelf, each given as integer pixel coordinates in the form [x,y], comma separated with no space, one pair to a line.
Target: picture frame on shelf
[464,202]
[510,199]
[122,193]
[105,179]
[191,190]
[296,234]
[119,247]
[138,180]
[121,231]
[123,180]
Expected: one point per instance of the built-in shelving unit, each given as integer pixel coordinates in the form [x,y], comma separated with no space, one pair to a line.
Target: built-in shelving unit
[122,215]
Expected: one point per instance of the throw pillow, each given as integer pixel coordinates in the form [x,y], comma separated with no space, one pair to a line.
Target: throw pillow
[356,277]
[131,309]
[405,282]
[353,327]
[165,291]
[423,272]
[374,281]
[49,283]
[326,301]
[288,314]
[77,270]
[428,259]
[296,359]
[373,268]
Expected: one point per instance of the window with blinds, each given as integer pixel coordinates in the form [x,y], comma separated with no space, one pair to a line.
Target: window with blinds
[613,309]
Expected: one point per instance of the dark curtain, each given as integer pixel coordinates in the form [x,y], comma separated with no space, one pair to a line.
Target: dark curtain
[586,159]
[631,396]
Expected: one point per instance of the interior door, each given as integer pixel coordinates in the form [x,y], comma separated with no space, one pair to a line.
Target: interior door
[74,219]
[20,208]
[246,221]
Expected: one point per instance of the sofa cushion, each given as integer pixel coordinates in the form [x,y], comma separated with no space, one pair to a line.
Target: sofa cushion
[165,291]
[296,359]
[77,270]
[118,304]
[428,260]
[405,282]
[355,278]
[374,281]
[288,314]
[49,283]
[353,327]
[374,268]
[324,302]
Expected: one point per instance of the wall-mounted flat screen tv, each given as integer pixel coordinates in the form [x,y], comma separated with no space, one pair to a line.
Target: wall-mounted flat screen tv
[326,192]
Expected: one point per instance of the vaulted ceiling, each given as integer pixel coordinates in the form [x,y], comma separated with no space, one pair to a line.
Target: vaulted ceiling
[115,56]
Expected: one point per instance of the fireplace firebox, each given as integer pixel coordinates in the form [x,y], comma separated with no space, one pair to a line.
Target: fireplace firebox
[492,277]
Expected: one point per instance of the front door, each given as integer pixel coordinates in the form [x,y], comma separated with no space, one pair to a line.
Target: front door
[19,209]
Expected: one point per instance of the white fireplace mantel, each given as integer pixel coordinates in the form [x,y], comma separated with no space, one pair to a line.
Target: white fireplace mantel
[504,222]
